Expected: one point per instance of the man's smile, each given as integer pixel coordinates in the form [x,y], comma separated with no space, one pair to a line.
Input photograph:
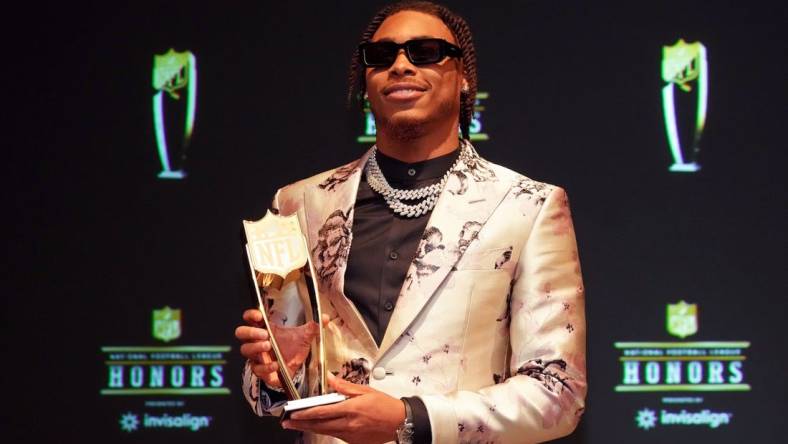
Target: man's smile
[404,91]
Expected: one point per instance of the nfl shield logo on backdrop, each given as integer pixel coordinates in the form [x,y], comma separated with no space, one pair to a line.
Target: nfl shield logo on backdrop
[166,324]
[682,319]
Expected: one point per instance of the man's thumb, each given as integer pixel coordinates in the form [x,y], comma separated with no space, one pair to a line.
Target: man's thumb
[346,388]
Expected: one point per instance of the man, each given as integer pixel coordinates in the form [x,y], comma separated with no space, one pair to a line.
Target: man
[451,281]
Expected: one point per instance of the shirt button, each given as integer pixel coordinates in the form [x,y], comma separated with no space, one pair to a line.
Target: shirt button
[411,172]
[393,255]
[378,373]
[388,306]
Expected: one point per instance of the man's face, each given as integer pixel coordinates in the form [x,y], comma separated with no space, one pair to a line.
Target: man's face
[409,99]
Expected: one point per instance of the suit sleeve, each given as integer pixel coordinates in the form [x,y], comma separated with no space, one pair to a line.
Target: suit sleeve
[543,397]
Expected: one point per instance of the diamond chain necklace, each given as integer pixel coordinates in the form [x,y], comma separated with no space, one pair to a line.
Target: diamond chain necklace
[394,197]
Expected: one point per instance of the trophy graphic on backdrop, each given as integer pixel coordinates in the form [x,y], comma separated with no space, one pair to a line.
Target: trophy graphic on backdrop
[173,72]
[279,263]
[682,65]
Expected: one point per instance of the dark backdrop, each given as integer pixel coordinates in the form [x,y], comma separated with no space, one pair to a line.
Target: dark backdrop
[96,241]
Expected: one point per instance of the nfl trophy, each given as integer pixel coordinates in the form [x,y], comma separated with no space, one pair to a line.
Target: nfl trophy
[283,275]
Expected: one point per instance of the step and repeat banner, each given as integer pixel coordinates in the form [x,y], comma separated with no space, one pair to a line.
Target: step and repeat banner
[152,130]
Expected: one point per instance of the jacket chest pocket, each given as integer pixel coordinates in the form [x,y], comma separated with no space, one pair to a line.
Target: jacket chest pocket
[486,260]
[487,333]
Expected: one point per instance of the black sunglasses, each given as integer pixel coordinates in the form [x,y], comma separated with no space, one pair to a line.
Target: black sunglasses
[418,51]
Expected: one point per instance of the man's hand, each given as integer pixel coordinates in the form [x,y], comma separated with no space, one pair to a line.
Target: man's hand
[294,343]
[369,416]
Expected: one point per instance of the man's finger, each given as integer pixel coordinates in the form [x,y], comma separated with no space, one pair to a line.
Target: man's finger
[253,316]
[254,350]
[265,369]
[326,319]
[246,333]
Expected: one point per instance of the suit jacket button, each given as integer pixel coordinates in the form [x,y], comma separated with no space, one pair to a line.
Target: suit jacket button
[379,373]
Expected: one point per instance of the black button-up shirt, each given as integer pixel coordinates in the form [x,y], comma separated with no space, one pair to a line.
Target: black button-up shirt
[382,249]
[385,243]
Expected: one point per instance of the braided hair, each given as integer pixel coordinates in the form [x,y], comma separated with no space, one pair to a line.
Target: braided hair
[459,29]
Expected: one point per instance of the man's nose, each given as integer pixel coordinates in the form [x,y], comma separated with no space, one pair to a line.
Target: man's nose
[401,64]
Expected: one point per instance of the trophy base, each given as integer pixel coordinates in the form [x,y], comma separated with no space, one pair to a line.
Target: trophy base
[170,174]
[685,167]
[312,401]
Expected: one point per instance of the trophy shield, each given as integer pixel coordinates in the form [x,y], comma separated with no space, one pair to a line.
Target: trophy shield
[287,295]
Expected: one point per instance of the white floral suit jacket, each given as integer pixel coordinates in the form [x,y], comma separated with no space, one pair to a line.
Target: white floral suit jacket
[489,328]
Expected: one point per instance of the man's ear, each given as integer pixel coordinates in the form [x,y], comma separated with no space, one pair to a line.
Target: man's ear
[465,87]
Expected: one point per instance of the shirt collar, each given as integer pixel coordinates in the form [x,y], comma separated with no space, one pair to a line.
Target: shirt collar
[396,170]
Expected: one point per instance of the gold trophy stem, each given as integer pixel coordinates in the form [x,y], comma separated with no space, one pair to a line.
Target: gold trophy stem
[284,379]
[321,347]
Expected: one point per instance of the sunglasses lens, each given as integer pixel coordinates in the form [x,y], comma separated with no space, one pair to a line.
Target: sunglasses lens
[424,51]
[419,52]
[379,53]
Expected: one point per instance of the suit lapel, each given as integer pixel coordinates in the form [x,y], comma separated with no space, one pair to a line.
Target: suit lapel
[328,213]
[469,198]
